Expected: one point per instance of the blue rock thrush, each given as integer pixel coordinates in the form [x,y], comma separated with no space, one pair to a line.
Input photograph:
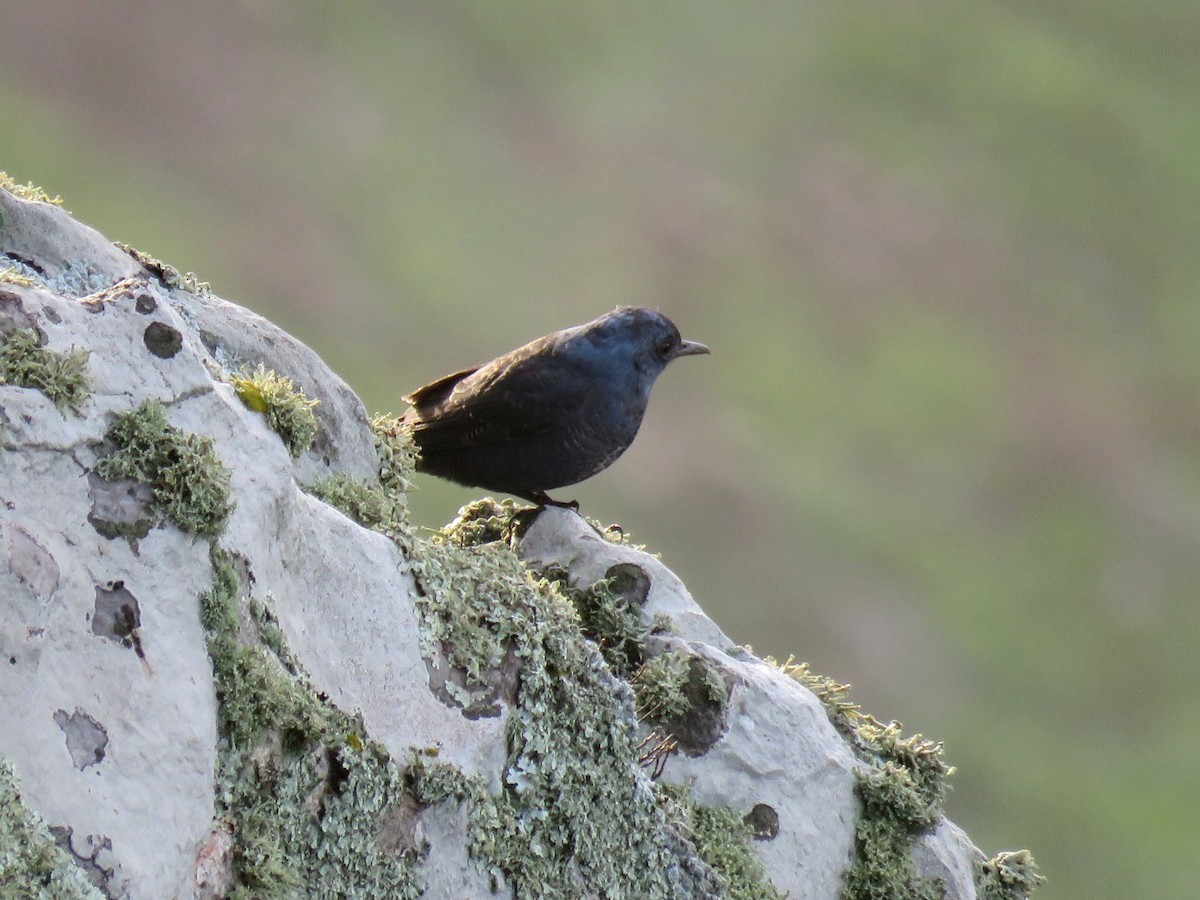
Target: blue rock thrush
[549,414]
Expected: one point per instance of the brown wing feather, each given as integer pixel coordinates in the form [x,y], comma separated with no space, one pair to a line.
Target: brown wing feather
[436,391]
[507,402]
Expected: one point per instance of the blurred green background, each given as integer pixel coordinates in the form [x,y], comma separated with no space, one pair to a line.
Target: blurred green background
[946,447]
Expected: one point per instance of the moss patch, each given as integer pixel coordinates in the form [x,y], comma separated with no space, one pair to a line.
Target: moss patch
[1007,876]
[13,275]
[301,787]
[901,792]
[722,838]
[187,480]
[27,191]
[60,376]
[576,813]
[289,413]
[168,275]
[381,506]
[31,864]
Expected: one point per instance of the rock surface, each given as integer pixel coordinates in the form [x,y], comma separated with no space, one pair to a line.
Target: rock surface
[111,719]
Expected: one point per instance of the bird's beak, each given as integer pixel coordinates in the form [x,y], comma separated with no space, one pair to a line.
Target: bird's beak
[690,348]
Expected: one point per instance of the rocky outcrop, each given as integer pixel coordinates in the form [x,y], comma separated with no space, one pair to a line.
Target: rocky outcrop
[230,668]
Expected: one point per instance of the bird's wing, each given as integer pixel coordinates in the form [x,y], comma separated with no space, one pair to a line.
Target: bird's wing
[513,397]
[436,391]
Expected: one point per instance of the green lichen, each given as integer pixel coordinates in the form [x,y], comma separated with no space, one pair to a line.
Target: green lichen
[722,838]
[1007,876]
[32,865]
[289,413]
[432,781]
[609,618]
[901,789]
[27,191]
[894,813]
[60,376]
[577,812]
[13,275]
[305,794]
[381,506]
[843,713]
[397,454]
[168,275]
[187,480]
[365,503]
[660,686]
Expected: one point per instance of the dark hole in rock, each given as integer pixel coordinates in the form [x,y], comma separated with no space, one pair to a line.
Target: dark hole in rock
[145,304]
[707,719]
[763,822]
[162,340]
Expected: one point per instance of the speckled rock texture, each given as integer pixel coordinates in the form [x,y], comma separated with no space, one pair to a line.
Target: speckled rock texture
[109,717]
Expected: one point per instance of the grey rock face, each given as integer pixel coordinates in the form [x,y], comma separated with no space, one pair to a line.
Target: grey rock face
[110,715]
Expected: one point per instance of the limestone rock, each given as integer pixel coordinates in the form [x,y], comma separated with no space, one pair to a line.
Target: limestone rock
[112,719]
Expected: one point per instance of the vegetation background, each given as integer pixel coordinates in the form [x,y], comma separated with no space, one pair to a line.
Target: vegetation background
[945,255]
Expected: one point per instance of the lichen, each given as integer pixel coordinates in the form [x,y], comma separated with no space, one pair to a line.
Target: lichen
[660,686]
[397,455]
[609,617]
[299,784]
[187,480]
[843,713]
[365,503]
[167,274]
[60,376]
[901,789]
[722,838]
[27,191]
[577,812]
[381,506]
[1007,876]
[32,865]
[13,275]
[289,413]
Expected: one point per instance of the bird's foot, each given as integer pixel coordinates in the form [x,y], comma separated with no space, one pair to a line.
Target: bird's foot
[543,499]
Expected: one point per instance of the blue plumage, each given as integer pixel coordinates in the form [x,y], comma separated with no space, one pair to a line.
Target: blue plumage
[548,414]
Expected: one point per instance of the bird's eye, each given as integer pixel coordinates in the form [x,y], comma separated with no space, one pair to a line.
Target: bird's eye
[664,347]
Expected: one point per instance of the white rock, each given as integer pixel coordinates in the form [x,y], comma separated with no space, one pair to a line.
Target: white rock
[110,714]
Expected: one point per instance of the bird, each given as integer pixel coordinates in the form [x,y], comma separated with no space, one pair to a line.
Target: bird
[550,413]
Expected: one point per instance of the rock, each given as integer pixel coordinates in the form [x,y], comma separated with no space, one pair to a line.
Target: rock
[276,697]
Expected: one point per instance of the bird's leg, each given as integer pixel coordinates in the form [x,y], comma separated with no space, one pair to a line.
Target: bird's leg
[541,498]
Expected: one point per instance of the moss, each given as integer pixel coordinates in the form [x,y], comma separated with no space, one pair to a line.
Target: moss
[609,617]
[168,275]
[722,838]
[366,504]
[382,507]
[60,376]
[1007,876]
[576,811]
[27,191]
[289,413]
[187,480]
[660,686]
[13,275]
[843,713]
[32,865]
[304,792]
[901,791]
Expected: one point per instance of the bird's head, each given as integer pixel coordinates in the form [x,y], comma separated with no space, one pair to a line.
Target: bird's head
[644,337]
